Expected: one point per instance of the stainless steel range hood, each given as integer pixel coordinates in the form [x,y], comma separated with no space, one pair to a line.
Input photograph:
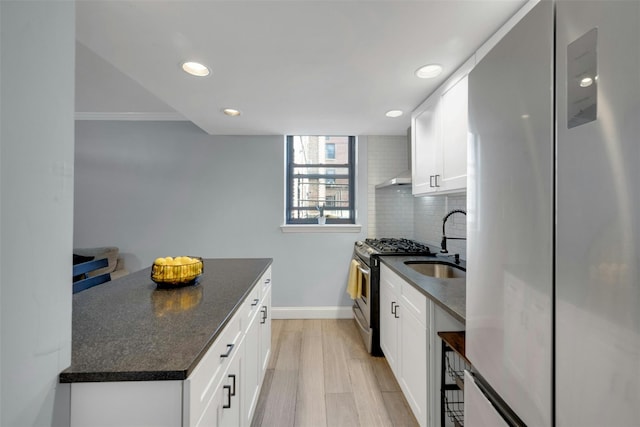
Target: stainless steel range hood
[403,178]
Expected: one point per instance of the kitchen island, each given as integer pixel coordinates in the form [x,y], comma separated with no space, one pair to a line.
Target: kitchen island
[142,355]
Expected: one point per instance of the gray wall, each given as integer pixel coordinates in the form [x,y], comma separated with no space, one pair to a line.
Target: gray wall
[168,188]
[36,208]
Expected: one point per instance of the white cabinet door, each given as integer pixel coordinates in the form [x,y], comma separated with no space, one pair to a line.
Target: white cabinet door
[454,137]
[229,395]
[264,322]
[257,348]
[225,406]
[425,146]
[388,320]
[209,416]
[414,362]
[251,375]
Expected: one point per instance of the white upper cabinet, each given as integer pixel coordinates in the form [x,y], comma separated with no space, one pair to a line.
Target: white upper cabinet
[439,137]
[454,128]
[424,147]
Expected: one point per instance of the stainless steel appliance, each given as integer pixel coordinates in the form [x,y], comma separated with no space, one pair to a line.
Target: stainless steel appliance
[366,309]
[553,289]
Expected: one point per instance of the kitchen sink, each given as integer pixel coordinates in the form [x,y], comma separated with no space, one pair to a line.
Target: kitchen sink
[437,269]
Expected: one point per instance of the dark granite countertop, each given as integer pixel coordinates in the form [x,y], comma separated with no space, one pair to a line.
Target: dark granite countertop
[128,330]
[450,294]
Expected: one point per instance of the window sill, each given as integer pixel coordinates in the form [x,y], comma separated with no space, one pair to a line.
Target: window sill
[317,228]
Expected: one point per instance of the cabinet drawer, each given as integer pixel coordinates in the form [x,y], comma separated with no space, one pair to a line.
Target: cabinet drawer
[251,307]
[390,279]
[414,301]
[266,280]
[202,382]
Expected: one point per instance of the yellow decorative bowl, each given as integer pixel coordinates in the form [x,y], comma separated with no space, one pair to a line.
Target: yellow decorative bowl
[175,272]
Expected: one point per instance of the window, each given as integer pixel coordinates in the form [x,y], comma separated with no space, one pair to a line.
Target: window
[330,151]
[316,180]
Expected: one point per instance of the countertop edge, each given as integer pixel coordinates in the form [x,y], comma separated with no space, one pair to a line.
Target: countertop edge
[101,377]
[388,261]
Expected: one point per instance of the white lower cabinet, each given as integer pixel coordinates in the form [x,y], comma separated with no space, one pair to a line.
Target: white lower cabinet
[404,339]
[388,320]
[251,375]
[265,332]
[223,409]
[257,348]
[238,389]
[229,395]
[414,360]
[203,388]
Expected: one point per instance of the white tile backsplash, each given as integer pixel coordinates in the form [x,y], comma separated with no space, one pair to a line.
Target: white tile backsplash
[390,209]
[394,212]
[428,213]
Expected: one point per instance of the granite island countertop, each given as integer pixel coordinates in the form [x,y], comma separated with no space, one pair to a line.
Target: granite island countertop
[450,294]
[128,330]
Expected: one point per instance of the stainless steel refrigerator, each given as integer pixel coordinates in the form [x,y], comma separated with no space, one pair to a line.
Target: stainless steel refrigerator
[553,222]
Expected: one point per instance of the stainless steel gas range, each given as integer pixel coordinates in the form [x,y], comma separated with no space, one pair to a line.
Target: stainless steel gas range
[366,309]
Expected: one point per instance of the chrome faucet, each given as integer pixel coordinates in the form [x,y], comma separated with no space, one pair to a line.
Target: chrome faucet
[443,244]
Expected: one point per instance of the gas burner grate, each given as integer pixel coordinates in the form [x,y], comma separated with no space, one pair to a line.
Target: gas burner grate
[394,245]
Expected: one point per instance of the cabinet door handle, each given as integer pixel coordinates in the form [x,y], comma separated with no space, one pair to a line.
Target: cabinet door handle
[437,185]
[431,181]
[264,314]
[395,310]
[229,349]
[392,307]
[228,404]
[267,281]
[233,377]
[255,302]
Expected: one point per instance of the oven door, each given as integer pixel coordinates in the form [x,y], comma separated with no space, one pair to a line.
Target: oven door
[362,305]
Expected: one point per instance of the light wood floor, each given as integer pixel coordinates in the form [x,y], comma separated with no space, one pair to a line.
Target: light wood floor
[320,375]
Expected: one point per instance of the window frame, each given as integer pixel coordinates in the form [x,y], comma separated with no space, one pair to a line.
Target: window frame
[290,176]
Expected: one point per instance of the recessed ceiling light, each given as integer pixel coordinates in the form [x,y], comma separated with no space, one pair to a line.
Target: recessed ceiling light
[429,71]
[393,113]
[586,82]
[231,112]
[195,69]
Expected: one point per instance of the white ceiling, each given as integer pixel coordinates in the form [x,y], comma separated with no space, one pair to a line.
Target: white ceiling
[290,67]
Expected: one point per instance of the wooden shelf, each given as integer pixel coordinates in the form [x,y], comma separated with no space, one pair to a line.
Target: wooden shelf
[455,340]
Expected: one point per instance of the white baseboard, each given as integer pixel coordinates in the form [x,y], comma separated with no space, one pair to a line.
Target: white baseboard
[338,312]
